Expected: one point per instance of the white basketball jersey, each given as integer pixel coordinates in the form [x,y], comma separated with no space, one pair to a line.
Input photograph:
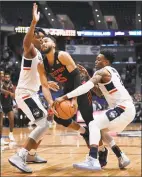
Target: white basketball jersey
[29,77]
[114,91]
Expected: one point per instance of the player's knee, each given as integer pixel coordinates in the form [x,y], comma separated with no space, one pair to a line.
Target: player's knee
[38,133]
[43,123]
[63,122]
[91,124]
[94,124]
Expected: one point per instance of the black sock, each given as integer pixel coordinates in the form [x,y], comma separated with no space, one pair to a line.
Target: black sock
[86,133]
[93,152]
[116,150]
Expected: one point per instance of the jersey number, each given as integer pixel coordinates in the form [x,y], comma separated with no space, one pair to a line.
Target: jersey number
[60,78]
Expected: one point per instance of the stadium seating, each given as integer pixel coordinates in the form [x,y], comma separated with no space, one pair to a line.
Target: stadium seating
[124,12]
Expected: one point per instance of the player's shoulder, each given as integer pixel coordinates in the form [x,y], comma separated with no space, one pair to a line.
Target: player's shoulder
[102,71]
[62,54]
[64,57]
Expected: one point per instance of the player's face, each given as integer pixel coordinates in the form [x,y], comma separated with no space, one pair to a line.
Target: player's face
[100,61]
[7,78]
[47,44]
[1,75]
[37,39]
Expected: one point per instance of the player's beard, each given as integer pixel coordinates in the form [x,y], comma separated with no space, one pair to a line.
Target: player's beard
[47,50]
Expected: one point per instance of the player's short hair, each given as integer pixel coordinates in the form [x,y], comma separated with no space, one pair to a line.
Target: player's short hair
[108,55]
[51,37]
[38,30]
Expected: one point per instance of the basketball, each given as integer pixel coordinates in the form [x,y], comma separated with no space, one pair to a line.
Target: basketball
[65,110]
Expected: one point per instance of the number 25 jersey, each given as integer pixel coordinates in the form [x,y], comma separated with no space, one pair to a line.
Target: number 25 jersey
[57,71]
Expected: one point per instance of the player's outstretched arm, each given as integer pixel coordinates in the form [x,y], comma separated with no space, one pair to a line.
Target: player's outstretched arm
[27,42]
[101,75]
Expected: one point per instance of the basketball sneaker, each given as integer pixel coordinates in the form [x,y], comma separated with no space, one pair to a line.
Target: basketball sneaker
[20,163]
[11,137]
[123,161]
[89,164]
[3,142]
[103,157]
[35,159]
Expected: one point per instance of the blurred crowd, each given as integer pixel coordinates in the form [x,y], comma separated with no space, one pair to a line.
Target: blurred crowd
[102,41]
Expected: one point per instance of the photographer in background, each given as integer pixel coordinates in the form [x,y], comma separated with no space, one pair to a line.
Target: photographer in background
[7,97]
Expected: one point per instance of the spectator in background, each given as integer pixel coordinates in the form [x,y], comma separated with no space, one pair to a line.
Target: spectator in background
[115,42]
[131,42]
[3,142]
[7,102]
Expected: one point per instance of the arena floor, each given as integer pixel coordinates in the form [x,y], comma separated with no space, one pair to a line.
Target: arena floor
[62,148]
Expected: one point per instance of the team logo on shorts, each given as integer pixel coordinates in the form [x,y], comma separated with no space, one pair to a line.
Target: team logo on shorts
[112,114]
[36,112]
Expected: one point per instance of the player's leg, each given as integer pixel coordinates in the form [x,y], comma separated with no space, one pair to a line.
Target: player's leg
[10,114]
[3,142]
[114,118]
[34,110]
[102,152]
[85,101]
[70,123]
[123,160]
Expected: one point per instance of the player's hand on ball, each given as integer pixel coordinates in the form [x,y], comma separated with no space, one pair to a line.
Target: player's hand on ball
[74,103]
[36,14]
[53,86]
[59,100]
[52,108]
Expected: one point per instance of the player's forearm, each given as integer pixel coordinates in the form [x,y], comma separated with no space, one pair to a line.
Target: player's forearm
[81,90]
[29,36]
[8,93]
[76,78]
[97,91]
[47,94]
[5,91]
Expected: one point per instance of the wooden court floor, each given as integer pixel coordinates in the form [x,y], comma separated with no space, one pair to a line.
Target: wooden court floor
[62,147]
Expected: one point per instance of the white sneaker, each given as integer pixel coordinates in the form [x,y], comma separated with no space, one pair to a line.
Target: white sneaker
[11,137]
[35,159]
[123,161]
[89,164]
[19,162]
[3,142]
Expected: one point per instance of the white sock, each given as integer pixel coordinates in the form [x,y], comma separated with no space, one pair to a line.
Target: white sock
[23,152]
[112,143]
[81,130]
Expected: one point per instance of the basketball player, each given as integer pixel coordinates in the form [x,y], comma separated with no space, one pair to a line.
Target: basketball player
[60,66]
[27,97]
[7,103]
[120,114]
[2,91]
